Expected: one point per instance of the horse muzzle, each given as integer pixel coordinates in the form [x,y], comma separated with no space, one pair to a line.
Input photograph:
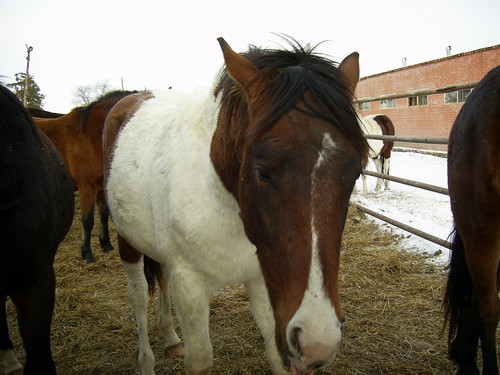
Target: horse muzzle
[311,348]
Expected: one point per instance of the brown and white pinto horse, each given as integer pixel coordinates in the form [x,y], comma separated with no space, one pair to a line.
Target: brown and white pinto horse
[471,302]
[248,186]
[380,151]
[78,137]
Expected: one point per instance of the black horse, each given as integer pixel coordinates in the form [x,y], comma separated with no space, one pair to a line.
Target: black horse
[36,212]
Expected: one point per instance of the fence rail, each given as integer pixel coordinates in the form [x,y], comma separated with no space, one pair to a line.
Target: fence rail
[428,140]
[408,228]
[417,184]
[439,90]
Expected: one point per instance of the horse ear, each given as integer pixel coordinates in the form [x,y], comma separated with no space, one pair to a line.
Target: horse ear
[350,67]
[238,67]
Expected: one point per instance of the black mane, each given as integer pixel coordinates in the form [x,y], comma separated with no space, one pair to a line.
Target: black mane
[305,76]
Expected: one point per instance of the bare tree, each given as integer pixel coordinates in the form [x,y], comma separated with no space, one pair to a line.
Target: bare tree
[84,95]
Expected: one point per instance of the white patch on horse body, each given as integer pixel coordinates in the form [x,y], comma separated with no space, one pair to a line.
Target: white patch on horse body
[169,202]
[370,126]
[316,316]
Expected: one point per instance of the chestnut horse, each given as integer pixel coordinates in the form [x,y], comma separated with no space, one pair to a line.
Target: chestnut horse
[78,136]
[248,184]
[36,212]
[380,151]
[471,302]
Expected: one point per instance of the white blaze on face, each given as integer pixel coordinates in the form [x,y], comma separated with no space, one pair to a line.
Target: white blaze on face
[314,333]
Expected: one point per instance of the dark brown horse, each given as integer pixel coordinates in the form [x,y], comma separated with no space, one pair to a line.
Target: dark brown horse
[36,212]
[471,302]
[250,185]
[78,136]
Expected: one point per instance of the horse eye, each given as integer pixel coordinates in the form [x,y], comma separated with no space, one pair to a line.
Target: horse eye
[264,175]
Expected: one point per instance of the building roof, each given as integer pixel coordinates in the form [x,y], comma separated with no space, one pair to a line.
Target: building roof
[434,61]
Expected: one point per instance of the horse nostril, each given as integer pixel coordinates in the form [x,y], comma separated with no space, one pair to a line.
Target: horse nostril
[316,365]
[294,339]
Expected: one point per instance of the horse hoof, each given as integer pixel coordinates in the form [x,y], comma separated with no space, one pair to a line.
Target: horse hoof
[176,350]
[89,258]
[107,247]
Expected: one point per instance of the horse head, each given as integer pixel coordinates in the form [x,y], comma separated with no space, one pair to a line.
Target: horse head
[289,148]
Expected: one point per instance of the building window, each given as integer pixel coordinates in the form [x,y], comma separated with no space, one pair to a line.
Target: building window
[363,105]
[459,96]
[417,100]
[389,103]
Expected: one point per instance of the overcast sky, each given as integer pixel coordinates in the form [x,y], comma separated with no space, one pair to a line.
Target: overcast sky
[156,44]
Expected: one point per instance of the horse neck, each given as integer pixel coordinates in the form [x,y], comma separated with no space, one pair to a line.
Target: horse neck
[227,145]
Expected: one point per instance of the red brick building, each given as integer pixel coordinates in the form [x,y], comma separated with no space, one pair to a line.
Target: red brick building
[423,100]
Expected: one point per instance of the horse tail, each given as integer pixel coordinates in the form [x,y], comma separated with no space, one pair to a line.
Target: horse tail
[153,273]
[459,289]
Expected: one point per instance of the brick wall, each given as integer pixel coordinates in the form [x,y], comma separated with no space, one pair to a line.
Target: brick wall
[436,118]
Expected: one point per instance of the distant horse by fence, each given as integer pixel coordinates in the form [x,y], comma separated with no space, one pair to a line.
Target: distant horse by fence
[36,212]
[472,307]
[380,151]
[78,136]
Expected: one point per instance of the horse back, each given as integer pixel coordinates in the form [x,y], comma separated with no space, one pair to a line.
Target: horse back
[38,112]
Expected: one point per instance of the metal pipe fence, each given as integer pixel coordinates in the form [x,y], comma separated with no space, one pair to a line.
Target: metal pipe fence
[416,184]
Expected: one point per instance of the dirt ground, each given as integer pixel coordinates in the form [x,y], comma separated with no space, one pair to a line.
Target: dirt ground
[391,300]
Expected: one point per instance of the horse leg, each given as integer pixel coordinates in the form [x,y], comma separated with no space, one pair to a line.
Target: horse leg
[137,288]
[386,168]
[484,277]
[378,166]
[7,357]
[488,326]
[35,306]
[173,345]
[488,345]
[463,334]
[263,314]
[365,185]
[87,203]
[463,349]
[192,306]
[104,218]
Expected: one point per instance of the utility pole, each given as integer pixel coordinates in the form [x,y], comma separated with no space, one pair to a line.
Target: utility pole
[26,79]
